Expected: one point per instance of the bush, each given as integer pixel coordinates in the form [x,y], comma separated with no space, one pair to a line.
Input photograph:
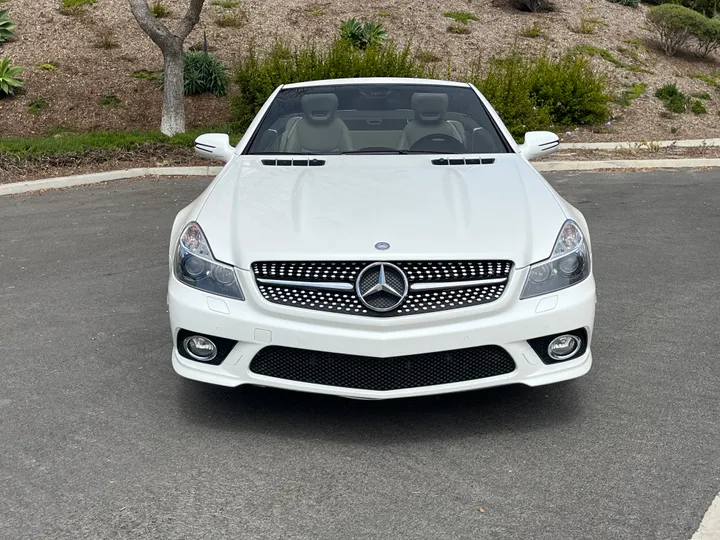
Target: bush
[708,37]
[362,35]
[159,10]
[674,100]
[675,25]
[533,94]
[706,7]
[205,73]
[258,76]
[9,81]
[7,27]
[533,6]
[698,107]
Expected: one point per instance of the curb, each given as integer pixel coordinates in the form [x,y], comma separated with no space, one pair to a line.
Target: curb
[548,166]
[687,143]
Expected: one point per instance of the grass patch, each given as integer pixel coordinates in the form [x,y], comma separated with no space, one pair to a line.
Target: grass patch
[316,12]
[147,75]
[36,106]
[460,16]
[383,14]
[226,5]
[608,57]
[159,10]
[630,94]
[458,28]
[588,25]
[73,8]
[702,95]
[231,21]
[105,39]
[47,66]
[708,78]
[674,100]
[636,43]
[698,107]
[533,30]
[111,101]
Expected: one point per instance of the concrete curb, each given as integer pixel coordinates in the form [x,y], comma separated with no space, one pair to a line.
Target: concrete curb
[97,178]
[688,143]
[547,166]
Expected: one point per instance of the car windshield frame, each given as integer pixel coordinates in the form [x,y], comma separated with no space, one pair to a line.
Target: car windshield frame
[468,127]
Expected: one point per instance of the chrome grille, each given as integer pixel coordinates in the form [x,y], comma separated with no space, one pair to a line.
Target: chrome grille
[331,286]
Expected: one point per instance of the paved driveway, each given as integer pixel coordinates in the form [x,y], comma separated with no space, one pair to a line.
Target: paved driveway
[100,439]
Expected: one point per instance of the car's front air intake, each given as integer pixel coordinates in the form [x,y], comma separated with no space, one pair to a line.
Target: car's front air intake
[382,289]
[369,373]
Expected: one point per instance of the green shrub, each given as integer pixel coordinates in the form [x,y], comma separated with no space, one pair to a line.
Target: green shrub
[675,25]
[9,81]
[258,76]
[675,100]
[707,35]
[705,7]
[362,35]
[159,10]
[205,73]
[539,93]
[628,3]
[7,27]
[698,107]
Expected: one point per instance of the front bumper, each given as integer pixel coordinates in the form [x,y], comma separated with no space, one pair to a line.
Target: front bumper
[507,322]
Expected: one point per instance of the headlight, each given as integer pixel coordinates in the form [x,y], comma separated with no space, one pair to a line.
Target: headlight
[195,266]
[569,264]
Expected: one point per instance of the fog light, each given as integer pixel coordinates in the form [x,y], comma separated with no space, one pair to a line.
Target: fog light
[564,347]
[200,348]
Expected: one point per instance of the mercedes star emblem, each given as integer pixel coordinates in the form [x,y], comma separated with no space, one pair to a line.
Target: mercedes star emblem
[382,286]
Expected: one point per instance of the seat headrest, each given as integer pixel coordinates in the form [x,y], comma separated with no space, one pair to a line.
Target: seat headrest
[319,108]
[429,107]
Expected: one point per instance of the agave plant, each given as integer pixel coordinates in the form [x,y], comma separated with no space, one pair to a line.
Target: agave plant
[8,78]
[7,27]
[362,35]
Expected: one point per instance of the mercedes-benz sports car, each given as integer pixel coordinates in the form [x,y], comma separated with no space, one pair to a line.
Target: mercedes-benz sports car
[380,238]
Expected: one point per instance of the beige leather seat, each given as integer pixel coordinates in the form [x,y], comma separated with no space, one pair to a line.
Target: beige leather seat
[318,131]
[430,110]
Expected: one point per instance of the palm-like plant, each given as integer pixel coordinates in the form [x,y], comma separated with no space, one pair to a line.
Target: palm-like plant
[9,82]
[362,35]
[7,27]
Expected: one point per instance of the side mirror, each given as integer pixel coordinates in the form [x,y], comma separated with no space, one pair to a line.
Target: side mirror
[539,143]
[214,146]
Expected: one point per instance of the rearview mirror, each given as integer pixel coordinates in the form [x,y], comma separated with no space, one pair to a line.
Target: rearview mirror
[214,146]
[539,143]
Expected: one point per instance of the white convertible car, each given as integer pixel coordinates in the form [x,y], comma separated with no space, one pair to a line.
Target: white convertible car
[380,238]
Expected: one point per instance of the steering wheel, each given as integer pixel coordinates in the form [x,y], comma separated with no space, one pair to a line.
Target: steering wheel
[438,142]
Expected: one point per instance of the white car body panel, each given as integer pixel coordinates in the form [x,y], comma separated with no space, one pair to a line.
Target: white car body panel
[341,210]
[504,210]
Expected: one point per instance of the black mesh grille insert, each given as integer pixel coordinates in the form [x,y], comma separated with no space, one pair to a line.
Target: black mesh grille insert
[284,283]
[368,373]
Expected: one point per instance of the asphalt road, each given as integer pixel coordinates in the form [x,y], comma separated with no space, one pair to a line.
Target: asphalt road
[100,439]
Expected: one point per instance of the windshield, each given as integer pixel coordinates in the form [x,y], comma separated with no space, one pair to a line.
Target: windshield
[377,119]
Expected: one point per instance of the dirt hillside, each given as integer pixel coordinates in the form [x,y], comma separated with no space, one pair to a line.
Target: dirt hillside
[97,52]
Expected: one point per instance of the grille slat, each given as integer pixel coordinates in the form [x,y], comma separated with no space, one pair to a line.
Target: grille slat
[418,272]
[369,373]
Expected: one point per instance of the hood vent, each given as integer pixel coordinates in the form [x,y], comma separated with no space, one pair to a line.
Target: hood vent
[293,162]
[463,161]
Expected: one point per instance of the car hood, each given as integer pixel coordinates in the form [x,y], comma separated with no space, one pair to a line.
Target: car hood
[339,211]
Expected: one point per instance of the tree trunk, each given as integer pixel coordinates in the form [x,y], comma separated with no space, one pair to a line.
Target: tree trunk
[171,45]
[173,112]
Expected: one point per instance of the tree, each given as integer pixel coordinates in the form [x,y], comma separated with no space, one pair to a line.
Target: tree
[171,44]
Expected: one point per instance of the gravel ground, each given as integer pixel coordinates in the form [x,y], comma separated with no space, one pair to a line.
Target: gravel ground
[85,72]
